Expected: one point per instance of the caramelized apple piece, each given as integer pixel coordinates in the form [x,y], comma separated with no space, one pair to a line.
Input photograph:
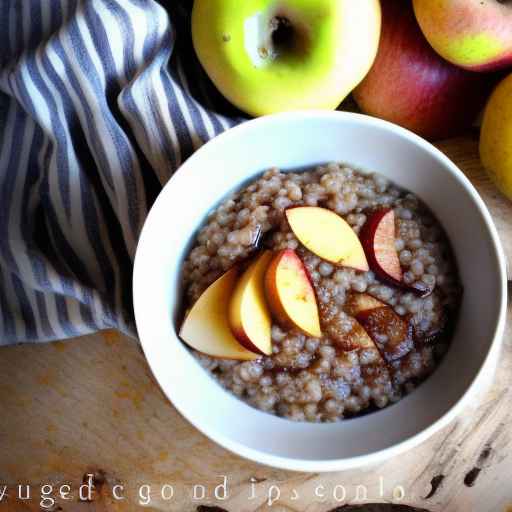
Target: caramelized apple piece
[356,338]
[391,333]
[358,302]
[346,333]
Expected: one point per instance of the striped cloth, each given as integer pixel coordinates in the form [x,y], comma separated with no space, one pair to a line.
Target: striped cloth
[100,101]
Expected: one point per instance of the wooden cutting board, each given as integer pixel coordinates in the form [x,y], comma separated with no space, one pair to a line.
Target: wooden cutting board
[91,406]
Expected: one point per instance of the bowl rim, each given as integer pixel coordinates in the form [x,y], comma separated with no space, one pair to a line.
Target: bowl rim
[320,465]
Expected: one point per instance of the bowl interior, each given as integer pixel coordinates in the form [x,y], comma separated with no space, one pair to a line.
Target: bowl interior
[290,141]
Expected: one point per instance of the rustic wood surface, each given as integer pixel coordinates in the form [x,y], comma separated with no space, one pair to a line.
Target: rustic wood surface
[91,406]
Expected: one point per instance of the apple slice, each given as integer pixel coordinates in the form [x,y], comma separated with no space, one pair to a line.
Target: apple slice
[206,326]
[349,335]
[291,295]
[249,316]
[358,302]
[378,239]
[327,235]
[390,332]
[357,338]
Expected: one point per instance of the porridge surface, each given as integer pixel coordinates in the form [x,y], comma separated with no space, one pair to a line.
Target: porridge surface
[311,379]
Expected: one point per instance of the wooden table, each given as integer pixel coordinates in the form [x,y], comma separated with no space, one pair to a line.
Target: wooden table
[91,406]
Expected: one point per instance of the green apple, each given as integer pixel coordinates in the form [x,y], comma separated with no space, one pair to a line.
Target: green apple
[269,56]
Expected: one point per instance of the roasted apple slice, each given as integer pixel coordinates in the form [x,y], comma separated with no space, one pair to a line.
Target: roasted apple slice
[392,334]
[357,338]
[358,302]
[346,333]
[206,326]
[327,235]
[249,315]
[378,239]
[290,294]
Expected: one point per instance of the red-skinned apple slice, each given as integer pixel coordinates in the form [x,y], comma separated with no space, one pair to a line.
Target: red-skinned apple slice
[291,295]
[249,316]
[378,240]
[327,235]
[206,326]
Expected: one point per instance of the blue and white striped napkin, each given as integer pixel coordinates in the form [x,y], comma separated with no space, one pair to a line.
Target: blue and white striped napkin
[100,101]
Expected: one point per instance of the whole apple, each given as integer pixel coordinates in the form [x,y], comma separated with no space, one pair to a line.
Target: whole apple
[409,84]
[474,34]
[496,137]
[269,56]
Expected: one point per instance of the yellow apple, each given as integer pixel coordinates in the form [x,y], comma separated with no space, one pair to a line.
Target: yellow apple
[496,137]
[473,34]
[291,295]
[206,326]
[327,235]
[269,56]
[249,315]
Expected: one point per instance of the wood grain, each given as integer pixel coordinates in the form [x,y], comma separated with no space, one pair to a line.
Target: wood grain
[91,406]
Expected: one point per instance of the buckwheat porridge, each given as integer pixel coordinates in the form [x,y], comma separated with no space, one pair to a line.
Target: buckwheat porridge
[363,360]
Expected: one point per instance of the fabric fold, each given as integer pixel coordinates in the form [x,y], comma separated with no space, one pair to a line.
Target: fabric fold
[100,102]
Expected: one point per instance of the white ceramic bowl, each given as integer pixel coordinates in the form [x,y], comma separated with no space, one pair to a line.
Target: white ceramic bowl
[289,141]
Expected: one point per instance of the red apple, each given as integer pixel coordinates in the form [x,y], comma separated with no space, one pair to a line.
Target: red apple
[411,85]
[481,38]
